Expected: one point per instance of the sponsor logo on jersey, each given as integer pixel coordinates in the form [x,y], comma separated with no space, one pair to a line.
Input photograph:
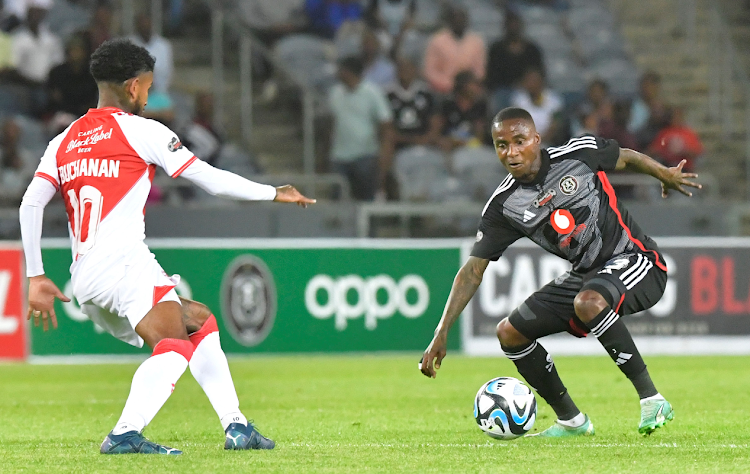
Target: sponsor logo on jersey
[527,216]
[352,296]
[544,198]
[248,300]
[480,235]
[562,221]
[568,185]
[175,144]
[618,264]
[93,168]
[92,138]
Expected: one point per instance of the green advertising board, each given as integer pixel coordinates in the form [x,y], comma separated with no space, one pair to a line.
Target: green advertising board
[285,295]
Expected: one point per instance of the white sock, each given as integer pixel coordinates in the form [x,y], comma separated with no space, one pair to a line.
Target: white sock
[210,368]
[574,422]
[153,383]
[655,397]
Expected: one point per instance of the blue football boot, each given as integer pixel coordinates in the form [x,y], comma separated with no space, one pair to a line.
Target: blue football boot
[133,442]
[240,436]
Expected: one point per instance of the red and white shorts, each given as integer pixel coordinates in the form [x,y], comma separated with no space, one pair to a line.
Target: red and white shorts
[119,309]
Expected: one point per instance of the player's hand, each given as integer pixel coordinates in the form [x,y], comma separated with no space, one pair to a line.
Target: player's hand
[42,294]
[675,179]
[289,193]
[434,354]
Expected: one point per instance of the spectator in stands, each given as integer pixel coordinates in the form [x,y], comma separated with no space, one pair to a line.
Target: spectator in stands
[71,90]
[616,127]
[325,17]
[509,59]
[463,118]
[649,112]
[596,107]
[379,69]
[160,106]
[415,114]
[454,49]
[362,148]
[100,28]
[677,142]
[16,164]
[35,49]
[200,136]
[542,103]
[394,18]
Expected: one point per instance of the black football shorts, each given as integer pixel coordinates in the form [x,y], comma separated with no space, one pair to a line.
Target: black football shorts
[630,283]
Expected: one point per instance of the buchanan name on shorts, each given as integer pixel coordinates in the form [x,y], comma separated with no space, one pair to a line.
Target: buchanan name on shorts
[91,167]
[92,138]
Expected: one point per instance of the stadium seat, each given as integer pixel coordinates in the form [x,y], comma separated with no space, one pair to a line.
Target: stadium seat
[309,59]
[479,171]
[551,39]
[563,74]
[621,75]
[428,14]
[537,15]
[600,43]
[420,171]
[589,18]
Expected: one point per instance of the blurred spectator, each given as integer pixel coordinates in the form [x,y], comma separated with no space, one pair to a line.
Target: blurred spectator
[509,59]
[379,70]
[70,88]
[463,117]
[200,136]
[362,142]
[454,49]
[325,17]
[160,106]
[16,164]
[14,12]
[595,109]
[542,103]
[648,114]
[415,116]
[616,127]
[35,50]
[394,19]
[677,142]
[100,28]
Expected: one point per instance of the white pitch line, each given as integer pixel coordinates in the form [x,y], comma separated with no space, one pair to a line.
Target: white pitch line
[511,445]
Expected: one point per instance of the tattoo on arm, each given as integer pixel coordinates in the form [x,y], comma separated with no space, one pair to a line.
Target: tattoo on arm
[465,285]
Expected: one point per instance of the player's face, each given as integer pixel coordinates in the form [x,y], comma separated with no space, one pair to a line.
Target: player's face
[517,145]
[138,91]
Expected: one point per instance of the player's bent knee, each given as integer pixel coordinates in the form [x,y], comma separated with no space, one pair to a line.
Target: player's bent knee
[164,321]
[588,304]
[509,336]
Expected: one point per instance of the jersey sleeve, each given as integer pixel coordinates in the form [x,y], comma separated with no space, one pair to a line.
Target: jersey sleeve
[495,234]
[602,158]
[156,144]
[47,168]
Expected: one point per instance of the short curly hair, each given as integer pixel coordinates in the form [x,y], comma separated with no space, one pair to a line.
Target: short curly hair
[118,60]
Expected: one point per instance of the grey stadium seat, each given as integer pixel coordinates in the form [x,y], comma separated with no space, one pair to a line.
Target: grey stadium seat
[420,172]
[479,171]
[621,75]
[564,75]
[310,60]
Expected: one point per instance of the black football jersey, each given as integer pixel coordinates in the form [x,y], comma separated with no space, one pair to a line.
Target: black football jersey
[412,108]
[570,209]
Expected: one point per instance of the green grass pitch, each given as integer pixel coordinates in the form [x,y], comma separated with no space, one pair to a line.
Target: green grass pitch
[378,414]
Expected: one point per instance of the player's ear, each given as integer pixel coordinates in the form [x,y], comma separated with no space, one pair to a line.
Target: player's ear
[537,138]
[131,88]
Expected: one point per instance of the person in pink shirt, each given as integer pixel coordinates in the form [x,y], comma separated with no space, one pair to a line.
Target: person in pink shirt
[454,49]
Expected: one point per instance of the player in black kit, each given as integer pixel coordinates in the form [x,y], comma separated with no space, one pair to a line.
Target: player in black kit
[561,199]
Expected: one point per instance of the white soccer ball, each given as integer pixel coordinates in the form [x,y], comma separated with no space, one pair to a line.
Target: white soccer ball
[505,408]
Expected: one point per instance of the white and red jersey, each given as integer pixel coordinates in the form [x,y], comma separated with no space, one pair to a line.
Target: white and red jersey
[103,165]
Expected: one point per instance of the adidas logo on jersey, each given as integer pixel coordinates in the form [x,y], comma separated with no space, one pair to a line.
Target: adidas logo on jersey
[527,216]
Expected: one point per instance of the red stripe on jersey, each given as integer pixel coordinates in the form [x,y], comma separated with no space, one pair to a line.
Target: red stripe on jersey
[160,292]
[184,348]
[622,298]
[209,327]
[49,178]
[613,204]
[184,167]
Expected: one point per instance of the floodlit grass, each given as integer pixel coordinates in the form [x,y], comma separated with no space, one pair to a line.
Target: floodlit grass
[378,414]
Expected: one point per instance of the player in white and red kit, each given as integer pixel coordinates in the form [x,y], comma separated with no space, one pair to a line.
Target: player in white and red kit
[103,165]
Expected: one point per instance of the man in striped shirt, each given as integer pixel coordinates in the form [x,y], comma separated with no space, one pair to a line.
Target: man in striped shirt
[561,199]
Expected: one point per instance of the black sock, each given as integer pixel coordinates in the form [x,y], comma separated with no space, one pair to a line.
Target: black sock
[537,367]
[616,339]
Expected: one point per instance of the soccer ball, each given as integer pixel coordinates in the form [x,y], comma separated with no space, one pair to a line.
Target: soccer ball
[505,408]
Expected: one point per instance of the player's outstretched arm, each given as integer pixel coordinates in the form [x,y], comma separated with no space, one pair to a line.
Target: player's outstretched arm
[465,285]
[229,185]
[42,291]
[671,178]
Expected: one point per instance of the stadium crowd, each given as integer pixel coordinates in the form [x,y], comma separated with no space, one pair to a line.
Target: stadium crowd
[408,94]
